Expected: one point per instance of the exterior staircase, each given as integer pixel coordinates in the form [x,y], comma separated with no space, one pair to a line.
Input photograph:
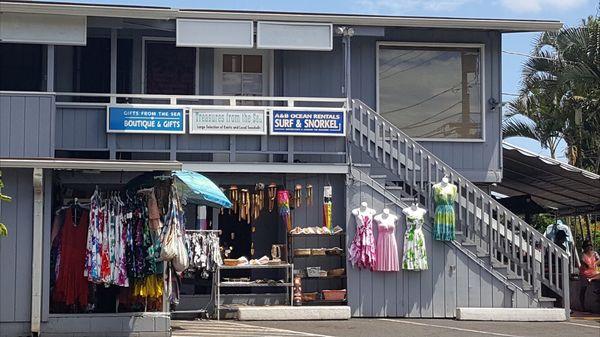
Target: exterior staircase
[405,171]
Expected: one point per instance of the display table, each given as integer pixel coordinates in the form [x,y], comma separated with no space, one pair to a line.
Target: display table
[287,284]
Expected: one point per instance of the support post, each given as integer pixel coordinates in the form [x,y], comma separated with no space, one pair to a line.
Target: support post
[37,253]
[50,68]
[566,286]
[111,137]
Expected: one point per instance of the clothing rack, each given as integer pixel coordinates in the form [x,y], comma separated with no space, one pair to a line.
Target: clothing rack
[218,231]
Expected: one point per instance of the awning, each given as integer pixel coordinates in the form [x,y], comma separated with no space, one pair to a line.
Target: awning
[552,184]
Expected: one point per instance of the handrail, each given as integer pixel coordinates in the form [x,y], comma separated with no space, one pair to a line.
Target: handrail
[511,242]
[173,98]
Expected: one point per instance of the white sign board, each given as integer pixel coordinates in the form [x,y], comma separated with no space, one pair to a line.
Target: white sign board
[228,121]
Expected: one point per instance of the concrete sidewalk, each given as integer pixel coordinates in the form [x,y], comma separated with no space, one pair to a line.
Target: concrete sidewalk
[437,327]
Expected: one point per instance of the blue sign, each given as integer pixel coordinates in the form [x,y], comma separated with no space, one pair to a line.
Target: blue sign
[307,122]
[132,119]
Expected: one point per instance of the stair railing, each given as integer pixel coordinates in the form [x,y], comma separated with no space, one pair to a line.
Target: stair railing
[498,234]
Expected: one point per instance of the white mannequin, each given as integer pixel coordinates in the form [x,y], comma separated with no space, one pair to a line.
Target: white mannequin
[363,210]
[445,181]
[385,215]
[414,210]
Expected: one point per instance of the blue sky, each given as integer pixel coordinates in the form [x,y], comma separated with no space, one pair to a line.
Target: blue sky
[568,11]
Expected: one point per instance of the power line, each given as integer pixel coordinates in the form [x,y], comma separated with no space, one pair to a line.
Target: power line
[528,55]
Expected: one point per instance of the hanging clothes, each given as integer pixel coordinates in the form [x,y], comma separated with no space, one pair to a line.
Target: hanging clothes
[204,252]
[283,202]
[444,223]
[386,250]
[71,284]
[362,250]
[415,255]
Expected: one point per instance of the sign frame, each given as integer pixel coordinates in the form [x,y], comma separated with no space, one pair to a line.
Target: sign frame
[265,111]
[307,134]
[183,108]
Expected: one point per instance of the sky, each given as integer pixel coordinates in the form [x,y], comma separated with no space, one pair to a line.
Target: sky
[570,12]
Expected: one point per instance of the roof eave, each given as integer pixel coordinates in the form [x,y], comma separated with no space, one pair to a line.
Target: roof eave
[505,26]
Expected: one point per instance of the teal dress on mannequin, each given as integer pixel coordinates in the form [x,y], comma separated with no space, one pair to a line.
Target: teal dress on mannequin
[445,220]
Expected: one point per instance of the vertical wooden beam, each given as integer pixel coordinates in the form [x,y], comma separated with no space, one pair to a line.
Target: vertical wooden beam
[37,254]
[112,138]
[50,68]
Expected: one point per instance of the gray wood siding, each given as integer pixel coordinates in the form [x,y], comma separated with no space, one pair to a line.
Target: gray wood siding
[16,248]
[454,279]
[477,161]
[26,126]
[81,128]
[305,73]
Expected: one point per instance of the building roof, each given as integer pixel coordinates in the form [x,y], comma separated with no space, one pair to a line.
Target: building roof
[550,183]
[166,13]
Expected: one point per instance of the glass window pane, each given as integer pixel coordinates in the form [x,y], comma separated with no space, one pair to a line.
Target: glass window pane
[431,92]
[232,84]
[252,63]
[252,84]
[169,69]
[21,67]
[232,63]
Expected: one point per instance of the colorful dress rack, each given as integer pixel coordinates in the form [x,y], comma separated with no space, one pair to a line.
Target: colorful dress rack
[415,254]
[444,224]
[386,250]
[362,250]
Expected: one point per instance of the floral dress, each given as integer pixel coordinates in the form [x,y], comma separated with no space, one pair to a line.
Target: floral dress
[444,222]
[415,255]
[362,249]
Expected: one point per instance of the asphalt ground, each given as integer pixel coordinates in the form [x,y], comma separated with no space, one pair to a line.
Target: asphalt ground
[386,328]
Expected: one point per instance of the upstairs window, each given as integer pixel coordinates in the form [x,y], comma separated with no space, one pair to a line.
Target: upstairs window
[169,70]
[432,93]
[21,67]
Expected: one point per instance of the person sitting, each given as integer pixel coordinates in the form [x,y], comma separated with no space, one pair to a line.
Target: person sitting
[589,262]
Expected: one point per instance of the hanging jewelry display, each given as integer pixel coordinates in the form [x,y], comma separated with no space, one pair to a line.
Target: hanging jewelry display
[297,196]
[260,191]
[234,197]
[256,207]
[244,205]
[309,195]
[272,192]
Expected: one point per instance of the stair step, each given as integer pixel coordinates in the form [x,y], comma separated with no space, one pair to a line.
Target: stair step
[379,178]
[395,190]
[501,268]
[546,302]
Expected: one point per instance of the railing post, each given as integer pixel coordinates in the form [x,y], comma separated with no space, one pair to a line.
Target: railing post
[566,286]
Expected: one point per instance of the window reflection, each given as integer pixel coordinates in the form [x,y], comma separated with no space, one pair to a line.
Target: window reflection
[431,92]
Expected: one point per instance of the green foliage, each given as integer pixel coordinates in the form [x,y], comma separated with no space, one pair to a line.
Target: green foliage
[560,94]
[3,229]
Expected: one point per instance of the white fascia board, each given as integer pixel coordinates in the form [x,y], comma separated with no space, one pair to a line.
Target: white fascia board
[266,168]
[101,165]
[503,25]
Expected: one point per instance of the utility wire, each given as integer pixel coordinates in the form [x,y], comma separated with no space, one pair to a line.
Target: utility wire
[528,55]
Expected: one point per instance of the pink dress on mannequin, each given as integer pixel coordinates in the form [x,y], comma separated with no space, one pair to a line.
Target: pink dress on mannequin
[386,249]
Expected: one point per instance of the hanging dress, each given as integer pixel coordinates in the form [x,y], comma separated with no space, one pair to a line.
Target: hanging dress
[386,249]
[415,255]
[444,223]
[71,284]
[362,249]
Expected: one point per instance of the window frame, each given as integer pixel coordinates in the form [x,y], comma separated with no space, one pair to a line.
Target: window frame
[268,68]
[167,39]
[479,46]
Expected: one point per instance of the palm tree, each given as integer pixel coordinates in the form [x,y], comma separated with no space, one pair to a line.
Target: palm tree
[560,94]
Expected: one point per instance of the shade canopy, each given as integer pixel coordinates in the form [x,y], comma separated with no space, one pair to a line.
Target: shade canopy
[552,184]
[197,188]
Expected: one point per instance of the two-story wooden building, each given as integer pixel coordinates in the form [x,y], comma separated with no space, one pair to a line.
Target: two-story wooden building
[377,107]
